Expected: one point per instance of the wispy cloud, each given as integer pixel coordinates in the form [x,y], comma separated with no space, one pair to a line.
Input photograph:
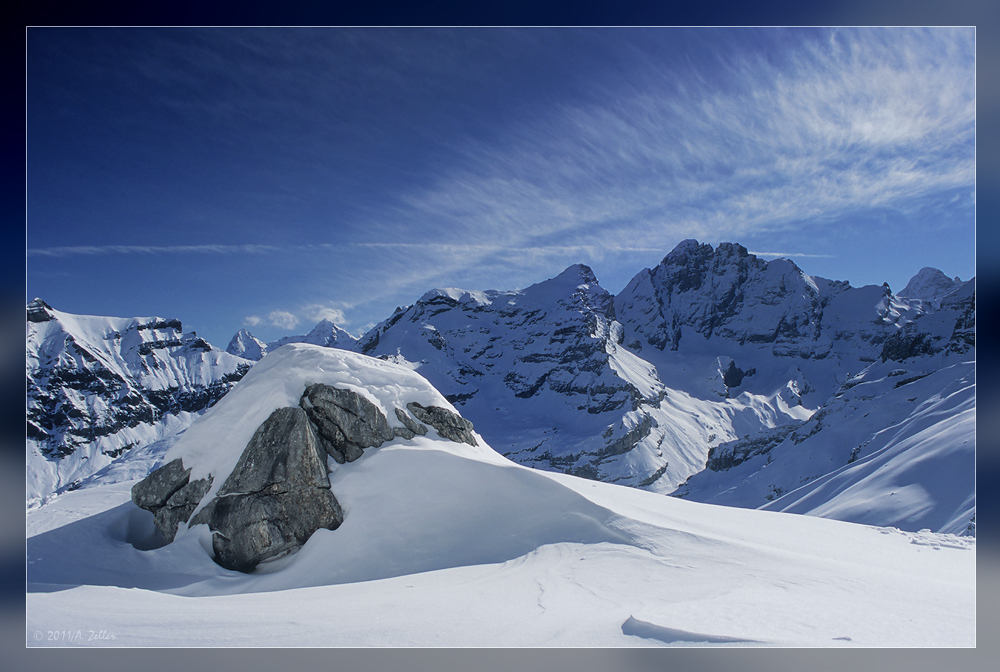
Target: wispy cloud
[858,120]
[790,255]
[283,319]
[150,249]
[333,312]
[758,132]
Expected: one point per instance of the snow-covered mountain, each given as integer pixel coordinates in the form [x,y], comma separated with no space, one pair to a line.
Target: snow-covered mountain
[246,345]
[543,374]
[445,543]
[715,376]
[100,386]
[770,318]
[930,285]
[325,333]
[891,381]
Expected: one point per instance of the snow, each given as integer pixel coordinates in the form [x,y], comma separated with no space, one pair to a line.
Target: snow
[127,359]
[213,444]
[444,544]
[930,285]
[919,472]
[895,446]
[246,345]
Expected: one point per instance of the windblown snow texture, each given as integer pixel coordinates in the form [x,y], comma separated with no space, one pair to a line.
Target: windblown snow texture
[446,543]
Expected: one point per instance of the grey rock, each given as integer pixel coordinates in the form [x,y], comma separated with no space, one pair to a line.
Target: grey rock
[169,495]
[276,497]
[411,427]
[346,422]
[180,506]
[449,425]
[153,491]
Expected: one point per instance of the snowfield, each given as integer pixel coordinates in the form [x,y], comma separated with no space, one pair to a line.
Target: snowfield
[445,544]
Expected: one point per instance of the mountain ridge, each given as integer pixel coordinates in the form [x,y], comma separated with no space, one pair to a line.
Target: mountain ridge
[712,353]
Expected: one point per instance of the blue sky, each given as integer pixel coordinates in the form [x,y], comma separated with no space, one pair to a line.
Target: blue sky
[267,178]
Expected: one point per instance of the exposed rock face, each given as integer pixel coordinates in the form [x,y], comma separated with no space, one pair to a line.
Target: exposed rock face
[536,369]
[275,498]
[554,336]
[727,293]
[628,441]
[449,425]
[347,423]
[96,387]
[278,494]
[180,506]
[951,328]
[154,490]
[411,427]
[170,496]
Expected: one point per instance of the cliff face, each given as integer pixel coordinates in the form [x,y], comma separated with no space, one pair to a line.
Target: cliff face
[729,294]
[98,386]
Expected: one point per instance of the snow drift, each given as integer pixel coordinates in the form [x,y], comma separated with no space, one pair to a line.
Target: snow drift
[449,544]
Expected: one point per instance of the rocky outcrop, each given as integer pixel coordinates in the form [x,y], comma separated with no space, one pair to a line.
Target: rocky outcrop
[449,425]
[278,494]
[275,498]
[410,428]
[346,422]
[170,495]
[950,329]
[180,506]
[632,437]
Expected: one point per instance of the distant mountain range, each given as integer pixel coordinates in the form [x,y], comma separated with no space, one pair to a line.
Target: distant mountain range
[98,387]
[326,333]
[715,376]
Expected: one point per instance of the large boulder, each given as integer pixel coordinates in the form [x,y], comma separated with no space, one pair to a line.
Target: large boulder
[449,425]
[278,493]
[347,423]
[170,495]
[275,498]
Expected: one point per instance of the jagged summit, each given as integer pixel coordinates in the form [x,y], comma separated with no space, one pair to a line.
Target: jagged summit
[38,311]
[577,286]
[325,333]
[578,274]
[930,284]
[99,386]
[246,345]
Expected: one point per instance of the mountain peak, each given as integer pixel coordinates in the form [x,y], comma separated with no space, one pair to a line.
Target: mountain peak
[929,284]
[684,249]
[39,311]
[246,345]
[579,273]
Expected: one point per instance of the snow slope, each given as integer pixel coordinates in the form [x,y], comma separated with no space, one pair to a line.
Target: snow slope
[445,544]
[894,445]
